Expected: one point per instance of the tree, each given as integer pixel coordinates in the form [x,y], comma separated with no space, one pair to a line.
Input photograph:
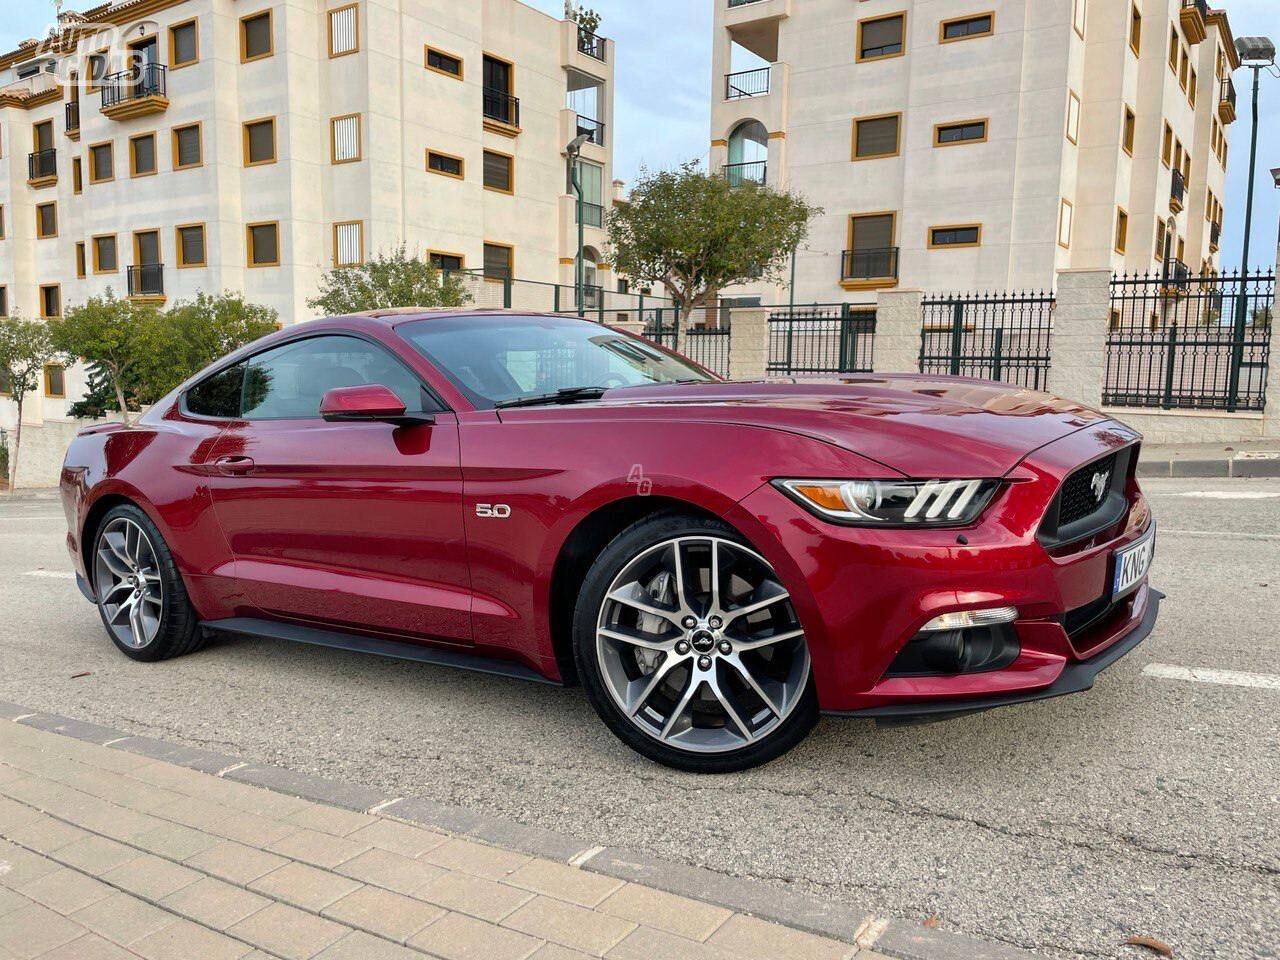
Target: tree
[25,350]
[585,17]
[696,234]
[392,279]
[112,336]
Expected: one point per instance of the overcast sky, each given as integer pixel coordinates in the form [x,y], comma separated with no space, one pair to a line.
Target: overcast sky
[662,109]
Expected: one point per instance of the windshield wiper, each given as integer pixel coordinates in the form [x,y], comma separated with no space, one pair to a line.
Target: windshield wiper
[565,395]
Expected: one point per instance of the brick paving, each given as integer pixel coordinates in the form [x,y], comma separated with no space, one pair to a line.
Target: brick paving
[106,855]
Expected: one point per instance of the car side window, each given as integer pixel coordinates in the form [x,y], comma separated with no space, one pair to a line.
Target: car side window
[218,395]
[289,381]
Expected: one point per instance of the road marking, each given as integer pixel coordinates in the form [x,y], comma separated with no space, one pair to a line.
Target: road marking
[871,931]
[38,516]
[1227,678]
[225,770]
[1224,494]
[51,574]
[379,807]
[1218,534]
[586,855]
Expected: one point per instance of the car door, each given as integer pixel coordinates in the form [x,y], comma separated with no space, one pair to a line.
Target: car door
[347,525]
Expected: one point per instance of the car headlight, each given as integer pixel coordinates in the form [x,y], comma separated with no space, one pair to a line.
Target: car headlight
[887,503]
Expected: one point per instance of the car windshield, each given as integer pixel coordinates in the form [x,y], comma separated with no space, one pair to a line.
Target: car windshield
[497,359]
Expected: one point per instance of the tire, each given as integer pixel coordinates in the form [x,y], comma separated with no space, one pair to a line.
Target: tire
[702,680]
[134,572]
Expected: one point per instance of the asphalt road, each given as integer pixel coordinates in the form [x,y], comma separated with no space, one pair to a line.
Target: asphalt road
[1149,806]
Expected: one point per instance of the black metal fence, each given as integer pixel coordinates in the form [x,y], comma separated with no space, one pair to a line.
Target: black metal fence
[708,346]
[822,338]
[1190,342]
[144,80]
[1003,337]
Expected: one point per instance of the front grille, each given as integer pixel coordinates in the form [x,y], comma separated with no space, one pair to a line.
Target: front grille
[1077,621]
[1079,498]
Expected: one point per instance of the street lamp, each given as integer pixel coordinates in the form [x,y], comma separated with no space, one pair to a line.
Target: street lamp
[574,150]
[1275,175]
[1256,54]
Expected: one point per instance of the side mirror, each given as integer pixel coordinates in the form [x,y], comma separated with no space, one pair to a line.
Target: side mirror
[370,403]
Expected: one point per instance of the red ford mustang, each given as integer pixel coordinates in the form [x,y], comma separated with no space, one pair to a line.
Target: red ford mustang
[548,498]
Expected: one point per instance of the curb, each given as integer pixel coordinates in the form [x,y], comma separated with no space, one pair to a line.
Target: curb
[1257,465]
[897,939]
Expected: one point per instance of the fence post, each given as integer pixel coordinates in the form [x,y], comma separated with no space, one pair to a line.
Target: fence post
[749,344]
[1079,345]
[555,307]
[997,356]
[957,336]
[506,293]
[1171,357]
[898,322]
[1271,412]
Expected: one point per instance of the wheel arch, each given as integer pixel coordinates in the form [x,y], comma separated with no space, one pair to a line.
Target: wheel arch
[93,520]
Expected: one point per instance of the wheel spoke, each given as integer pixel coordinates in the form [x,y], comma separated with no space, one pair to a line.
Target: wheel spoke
[120,585]
[126,608]
[737,613]
[742,670]
[694,683]
[113,559]
[757,643]
[723,698]
[681,597]
[636,704]
[137,627]
[635,639]
[715,576]
[635,596]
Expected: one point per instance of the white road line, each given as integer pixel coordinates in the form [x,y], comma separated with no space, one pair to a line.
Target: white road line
[1223,494]
[1218,534]
[51,574]
[1227,678]
[37,516]
[586,855]
[379,807]
[225,770]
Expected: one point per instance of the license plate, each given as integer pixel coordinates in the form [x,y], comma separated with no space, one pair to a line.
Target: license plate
[1132,563]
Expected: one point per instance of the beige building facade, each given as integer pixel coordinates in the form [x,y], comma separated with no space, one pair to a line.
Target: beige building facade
[161,148]
[959,146]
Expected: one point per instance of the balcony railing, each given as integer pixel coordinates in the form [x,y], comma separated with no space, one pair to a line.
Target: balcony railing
[73,116]
[1194,18]
[592,214]
[739,173]
[1177,189]
[1215,234]
[1176,274]
[747,83]
[147,80]
[879,263]
[592,296]
[146,280]
[502,107]
[591,45]
[1227,100]
[740,3]
[42,164]
[593,130]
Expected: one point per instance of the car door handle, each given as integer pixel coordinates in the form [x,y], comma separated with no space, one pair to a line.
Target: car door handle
[233,466]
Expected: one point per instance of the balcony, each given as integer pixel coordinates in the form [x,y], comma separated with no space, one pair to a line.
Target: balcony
[146,281]
[742,12]
[1177,192]
[739,173]
[747,83]
[1215,236]
[42,168]
[593,130]
[1176,276]
[73,119]
[592,214]
[1195,18]
[591,45]
[136,93]
[1227,101]
[501,112]
[871,267]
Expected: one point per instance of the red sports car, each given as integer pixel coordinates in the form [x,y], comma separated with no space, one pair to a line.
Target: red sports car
[549,498]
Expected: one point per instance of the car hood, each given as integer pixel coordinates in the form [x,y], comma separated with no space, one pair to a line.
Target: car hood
[920,426]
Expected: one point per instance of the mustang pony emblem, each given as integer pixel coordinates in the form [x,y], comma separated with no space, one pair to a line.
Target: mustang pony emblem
[1099,484]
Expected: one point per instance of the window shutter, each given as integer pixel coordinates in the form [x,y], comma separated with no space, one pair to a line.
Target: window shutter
[342,32]
[346,139]
[877,136]
[882,33]
[872,233]
[349,244]
[192,244]
[497,171]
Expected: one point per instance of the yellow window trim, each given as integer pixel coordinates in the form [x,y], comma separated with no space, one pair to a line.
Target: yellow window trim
[427,49]
[1063,207]
[939,127]
[942,27]
[870,283]
[1128,130]
[44,206]
[462,164]
[194,22]
[329,29]
[511,179]
[57,288]
[82,257]
[48,390]
[859,58]
[1072,96]
[248,241]
[275,152]
[1122,230]
[1135,30]
[93,166]
[333,139]
[462,257]
[199,128]
[953,226]
[204,244]
[97,261]
[155,155]
[348,223]
[271,36]
[511,259]
[897,147]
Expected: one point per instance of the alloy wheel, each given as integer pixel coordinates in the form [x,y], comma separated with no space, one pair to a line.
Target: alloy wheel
[127,578]
[699,645]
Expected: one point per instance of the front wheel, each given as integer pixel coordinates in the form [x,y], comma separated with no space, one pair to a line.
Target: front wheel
[690,649]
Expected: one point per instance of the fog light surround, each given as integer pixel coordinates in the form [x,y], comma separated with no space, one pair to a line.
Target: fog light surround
[969,619]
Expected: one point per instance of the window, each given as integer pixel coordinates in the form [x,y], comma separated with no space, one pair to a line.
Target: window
[190,245]
[964,235]
[263,240]
[1065,213]
[1,221]
[348,243]
[962,131]
[4,311]
[184,44]
[1130,130]
[1079,15]
[1122,230]
[255,37]
[81,260]
[882,37]
[1160,235]
[1177,154]
[500,104]
[50,300]
[877,136]
[77,175]
[1073,117]
[445,164]
[289,381]
[260,142]
[1193,87]
[966,28]
[1166,146]
[498,261]
[142,155]
[344,30]
[218,395]
[344,139]
[46,220]
[101,162]
[1183,64]
[1135,30]
[441,62]
[96,72]
[55,381]
[188,150]
[1173,49]
[499,172]
[446,261]
[872,255]
[105,259]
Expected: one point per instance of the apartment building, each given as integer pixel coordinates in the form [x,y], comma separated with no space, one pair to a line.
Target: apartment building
[979,144]
[164,147]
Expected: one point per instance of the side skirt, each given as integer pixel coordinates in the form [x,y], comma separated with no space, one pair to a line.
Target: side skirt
[393,649]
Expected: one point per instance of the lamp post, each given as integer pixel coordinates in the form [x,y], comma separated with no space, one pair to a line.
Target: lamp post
[574,150]
[1257,54]
[1275,175]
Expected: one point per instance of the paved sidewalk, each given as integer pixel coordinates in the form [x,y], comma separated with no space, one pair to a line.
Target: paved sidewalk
[1245,459]
[108,854]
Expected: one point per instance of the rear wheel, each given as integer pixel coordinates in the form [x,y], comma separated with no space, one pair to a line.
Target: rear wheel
[141,597]
[690,649]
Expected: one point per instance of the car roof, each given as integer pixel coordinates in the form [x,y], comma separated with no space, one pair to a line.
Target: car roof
[394,316]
